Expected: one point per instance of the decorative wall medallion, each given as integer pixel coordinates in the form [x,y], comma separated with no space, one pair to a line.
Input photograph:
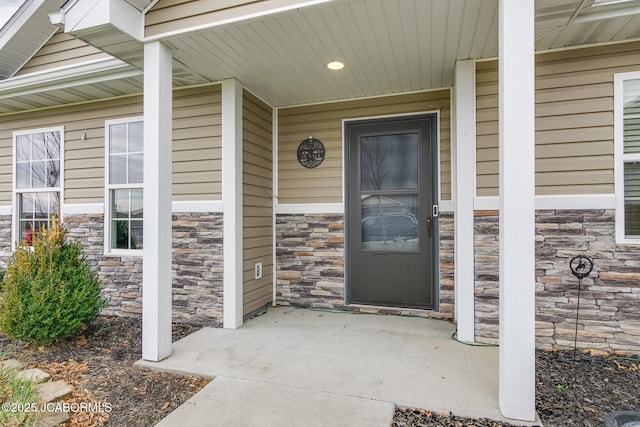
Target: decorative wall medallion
[311,153]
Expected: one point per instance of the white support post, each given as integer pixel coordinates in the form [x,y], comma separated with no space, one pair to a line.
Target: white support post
[517,209]
[232,199]
[156,273]
[464,154]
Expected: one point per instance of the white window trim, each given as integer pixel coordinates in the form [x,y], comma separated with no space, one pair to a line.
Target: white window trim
[15,220]
[108,187]
[619,156]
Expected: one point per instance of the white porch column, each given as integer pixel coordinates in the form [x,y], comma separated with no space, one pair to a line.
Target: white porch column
[517,209]
[156,273]
[464,154]
[232,199]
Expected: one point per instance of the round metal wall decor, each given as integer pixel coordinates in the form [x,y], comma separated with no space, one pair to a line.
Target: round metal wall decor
[311,153]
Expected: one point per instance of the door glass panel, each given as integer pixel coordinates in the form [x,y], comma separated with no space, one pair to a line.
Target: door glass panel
[390,223]
[389,162]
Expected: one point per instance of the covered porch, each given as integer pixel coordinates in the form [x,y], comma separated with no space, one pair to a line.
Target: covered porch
[331,368]
[388,48]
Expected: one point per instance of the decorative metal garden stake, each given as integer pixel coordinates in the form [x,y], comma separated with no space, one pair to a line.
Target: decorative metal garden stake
[581,267]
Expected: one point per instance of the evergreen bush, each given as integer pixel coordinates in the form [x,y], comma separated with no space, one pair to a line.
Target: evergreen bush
[49,291]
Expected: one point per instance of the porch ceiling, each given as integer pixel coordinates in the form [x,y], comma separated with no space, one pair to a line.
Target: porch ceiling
[387,46]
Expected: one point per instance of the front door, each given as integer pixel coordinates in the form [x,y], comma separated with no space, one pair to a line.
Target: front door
[391,213]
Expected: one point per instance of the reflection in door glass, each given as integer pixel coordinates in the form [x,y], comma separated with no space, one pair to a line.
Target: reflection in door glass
[389,162]
[390,223]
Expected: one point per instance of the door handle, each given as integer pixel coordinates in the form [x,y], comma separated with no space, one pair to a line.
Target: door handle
[429,222]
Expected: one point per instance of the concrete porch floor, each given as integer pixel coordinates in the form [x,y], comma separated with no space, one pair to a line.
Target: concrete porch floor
[295,366]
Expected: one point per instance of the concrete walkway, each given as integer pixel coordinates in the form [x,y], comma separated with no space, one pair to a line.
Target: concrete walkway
[306,367]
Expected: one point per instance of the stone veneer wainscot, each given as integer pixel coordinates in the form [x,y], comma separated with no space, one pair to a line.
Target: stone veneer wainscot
[197,267]
[609,318]
[310,263]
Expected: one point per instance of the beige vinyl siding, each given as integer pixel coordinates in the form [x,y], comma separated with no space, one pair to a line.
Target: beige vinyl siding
[574,119]
[83,158]
[196,147]
[323,184]
[197,143]
[257,180]
[172,15]
[61,50]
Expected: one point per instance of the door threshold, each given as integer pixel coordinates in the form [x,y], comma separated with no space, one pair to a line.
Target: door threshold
[398,311]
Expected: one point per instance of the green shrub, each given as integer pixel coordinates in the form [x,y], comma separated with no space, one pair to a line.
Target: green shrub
[49,291]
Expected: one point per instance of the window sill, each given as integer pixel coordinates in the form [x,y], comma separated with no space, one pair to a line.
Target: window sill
[124,253]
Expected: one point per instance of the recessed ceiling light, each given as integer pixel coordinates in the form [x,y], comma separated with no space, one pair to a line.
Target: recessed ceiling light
[335,65]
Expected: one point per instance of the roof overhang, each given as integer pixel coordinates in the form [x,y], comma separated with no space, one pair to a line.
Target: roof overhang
[388,46]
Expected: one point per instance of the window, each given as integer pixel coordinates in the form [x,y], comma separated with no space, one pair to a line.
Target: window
[37,180]
[124,189]
[627,152]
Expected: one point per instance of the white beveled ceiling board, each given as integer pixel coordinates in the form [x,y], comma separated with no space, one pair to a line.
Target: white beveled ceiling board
[387,47]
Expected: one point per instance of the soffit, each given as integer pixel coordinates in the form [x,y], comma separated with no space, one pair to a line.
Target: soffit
[388,46]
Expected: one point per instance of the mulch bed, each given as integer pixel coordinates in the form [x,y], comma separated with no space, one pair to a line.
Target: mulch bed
[99,364]
[568,393]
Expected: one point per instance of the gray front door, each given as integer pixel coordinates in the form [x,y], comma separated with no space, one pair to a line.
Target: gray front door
[391,223]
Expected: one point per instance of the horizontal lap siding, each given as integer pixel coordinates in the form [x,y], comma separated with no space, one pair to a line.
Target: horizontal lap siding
[197,143]
[323,184]
[574,120]
[196,147]
[257,162]
[61,50]
[172,15]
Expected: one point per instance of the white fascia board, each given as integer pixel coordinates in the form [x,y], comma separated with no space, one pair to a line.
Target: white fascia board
[242,13]
[89,72]
[83,15]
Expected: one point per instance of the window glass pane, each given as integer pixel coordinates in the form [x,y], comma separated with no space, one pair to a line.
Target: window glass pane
[53,145]
[390,223]
[136,234]
[23,148]
[35,212]
[631,116]
[136,203]
[118,169]
[53,173]
[38,146]
[632,199]
[118,138]
[23,175]
[26,206]
[119,234]
[38,174]
[136,142]
[135,169]
[41,205]
[120,203]
[389,162]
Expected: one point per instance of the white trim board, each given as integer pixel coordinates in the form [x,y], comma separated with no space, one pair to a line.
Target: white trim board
[310,208]
[569,201]
[98,208]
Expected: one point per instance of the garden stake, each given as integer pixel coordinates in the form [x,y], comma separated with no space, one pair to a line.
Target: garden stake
[581,267]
